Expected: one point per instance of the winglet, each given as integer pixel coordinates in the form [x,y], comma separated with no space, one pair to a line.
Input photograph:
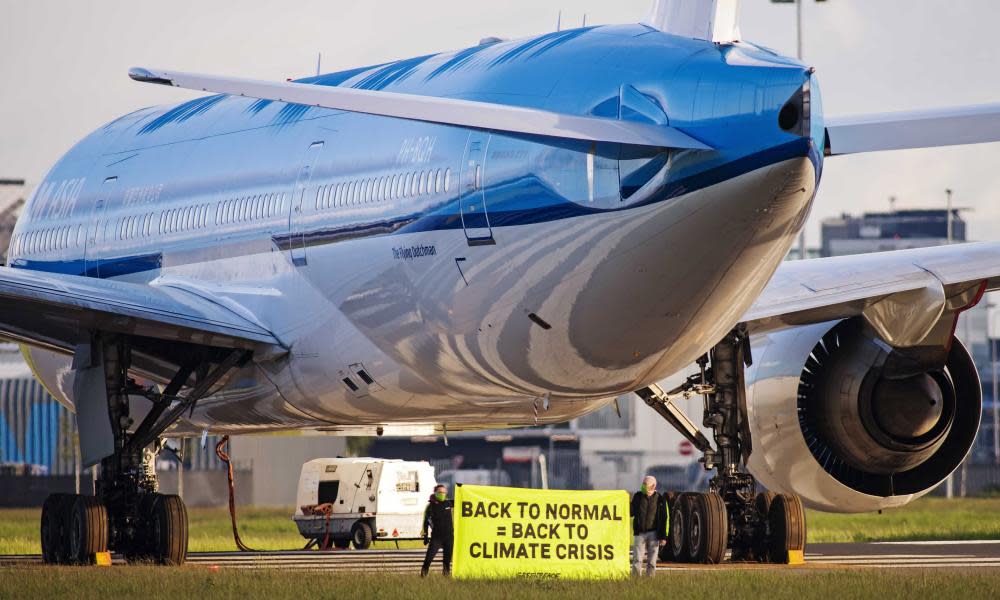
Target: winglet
[146,76]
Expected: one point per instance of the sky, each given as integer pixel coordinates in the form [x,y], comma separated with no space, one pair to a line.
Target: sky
[64,64]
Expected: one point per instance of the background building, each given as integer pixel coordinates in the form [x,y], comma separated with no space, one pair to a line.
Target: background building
[894,230]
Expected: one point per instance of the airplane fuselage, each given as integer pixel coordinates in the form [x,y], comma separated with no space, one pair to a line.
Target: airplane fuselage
[423,275]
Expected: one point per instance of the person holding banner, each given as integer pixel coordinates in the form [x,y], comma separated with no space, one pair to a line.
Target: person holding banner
[649,526]
[438,518]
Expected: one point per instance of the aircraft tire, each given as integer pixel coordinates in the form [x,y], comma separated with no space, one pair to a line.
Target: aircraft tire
[169,531]
[54,530]
[679,523]
[666,550]
[708,530]
[88,529]
[787,527]
[762,503]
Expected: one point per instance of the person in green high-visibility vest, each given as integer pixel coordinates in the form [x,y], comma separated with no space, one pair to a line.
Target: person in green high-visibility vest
[649,527]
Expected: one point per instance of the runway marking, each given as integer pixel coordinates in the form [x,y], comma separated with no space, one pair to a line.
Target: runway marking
[968,555]
[938,543]
[828,557]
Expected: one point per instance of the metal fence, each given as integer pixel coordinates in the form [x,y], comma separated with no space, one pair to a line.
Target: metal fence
[37,434]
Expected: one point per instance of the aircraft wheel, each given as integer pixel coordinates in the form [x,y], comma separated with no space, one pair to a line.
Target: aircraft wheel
[361,535]
[762,503]
[666,550]
[708,529]
[169,530]
[141,548]
[88,529]
[787,527]
[54,528]
[679,544]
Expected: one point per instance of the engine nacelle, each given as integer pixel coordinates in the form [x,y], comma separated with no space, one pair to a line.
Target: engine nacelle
[837,418]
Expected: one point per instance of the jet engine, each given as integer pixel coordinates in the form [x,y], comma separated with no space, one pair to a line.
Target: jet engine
[852,424]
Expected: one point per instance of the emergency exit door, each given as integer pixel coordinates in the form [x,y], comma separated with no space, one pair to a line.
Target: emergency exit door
[297,218]
[475,217]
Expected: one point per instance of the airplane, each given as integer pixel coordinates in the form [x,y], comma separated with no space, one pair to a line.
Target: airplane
[510,234]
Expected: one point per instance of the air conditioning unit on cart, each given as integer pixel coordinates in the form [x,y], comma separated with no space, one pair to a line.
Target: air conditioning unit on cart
[344,501]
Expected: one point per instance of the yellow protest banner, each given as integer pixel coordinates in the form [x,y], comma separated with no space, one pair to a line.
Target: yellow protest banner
[514,532]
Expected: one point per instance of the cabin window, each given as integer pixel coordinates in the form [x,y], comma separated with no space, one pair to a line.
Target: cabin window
[415,184]
[479,177]
[447,180]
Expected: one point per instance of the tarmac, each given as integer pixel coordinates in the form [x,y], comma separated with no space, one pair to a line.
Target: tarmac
[980,554]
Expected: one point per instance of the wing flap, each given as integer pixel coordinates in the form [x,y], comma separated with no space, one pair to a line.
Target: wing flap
[914,129]
[450,111]
[58,311]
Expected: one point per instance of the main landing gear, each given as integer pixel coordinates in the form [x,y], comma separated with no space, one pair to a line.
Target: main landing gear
[127,514]
[757,526]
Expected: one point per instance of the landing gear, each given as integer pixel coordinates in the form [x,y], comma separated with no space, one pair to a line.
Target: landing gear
[731,514]
[127,515]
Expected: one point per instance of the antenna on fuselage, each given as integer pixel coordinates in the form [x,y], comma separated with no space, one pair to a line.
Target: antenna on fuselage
[319,63]
[559,21]
[584,20]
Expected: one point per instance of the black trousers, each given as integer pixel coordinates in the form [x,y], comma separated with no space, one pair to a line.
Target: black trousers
[446,544]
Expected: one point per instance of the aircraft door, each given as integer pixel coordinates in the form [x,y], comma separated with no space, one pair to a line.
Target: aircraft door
[475,219]
[296,221]
[93,241]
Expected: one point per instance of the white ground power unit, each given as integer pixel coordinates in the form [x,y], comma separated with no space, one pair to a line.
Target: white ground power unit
[344,501]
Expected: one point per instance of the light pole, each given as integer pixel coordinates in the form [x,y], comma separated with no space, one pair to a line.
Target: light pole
[950,236]
[993,333]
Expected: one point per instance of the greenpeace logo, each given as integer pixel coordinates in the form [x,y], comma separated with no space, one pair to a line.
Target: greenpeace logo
[413,252]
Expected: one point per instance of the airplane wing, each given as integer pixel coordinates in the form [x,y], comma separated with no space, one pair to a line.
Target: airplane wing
[914,129]
[903,294]
[58,312]
[450,111]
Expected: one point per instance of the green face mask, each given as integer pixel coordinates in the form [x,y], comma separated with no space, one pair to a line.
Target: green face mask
[440,496]
[644,489]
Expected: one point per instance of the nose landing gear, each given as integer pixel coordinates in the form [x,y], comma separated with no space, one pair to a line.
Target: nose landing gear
[732,514]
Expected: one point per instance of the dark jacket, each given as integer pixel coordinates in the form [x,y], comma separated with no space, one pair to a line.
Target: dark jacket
[438,517]
[639,514]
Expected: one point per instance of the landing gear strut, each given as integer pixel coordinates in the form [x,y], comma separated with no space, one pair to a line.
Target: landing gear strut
[732,514]
[127,514]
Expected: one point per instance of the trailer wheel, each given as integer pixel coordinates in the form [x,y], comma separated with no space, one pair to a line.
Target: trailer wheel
[361,535]
[342,543]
